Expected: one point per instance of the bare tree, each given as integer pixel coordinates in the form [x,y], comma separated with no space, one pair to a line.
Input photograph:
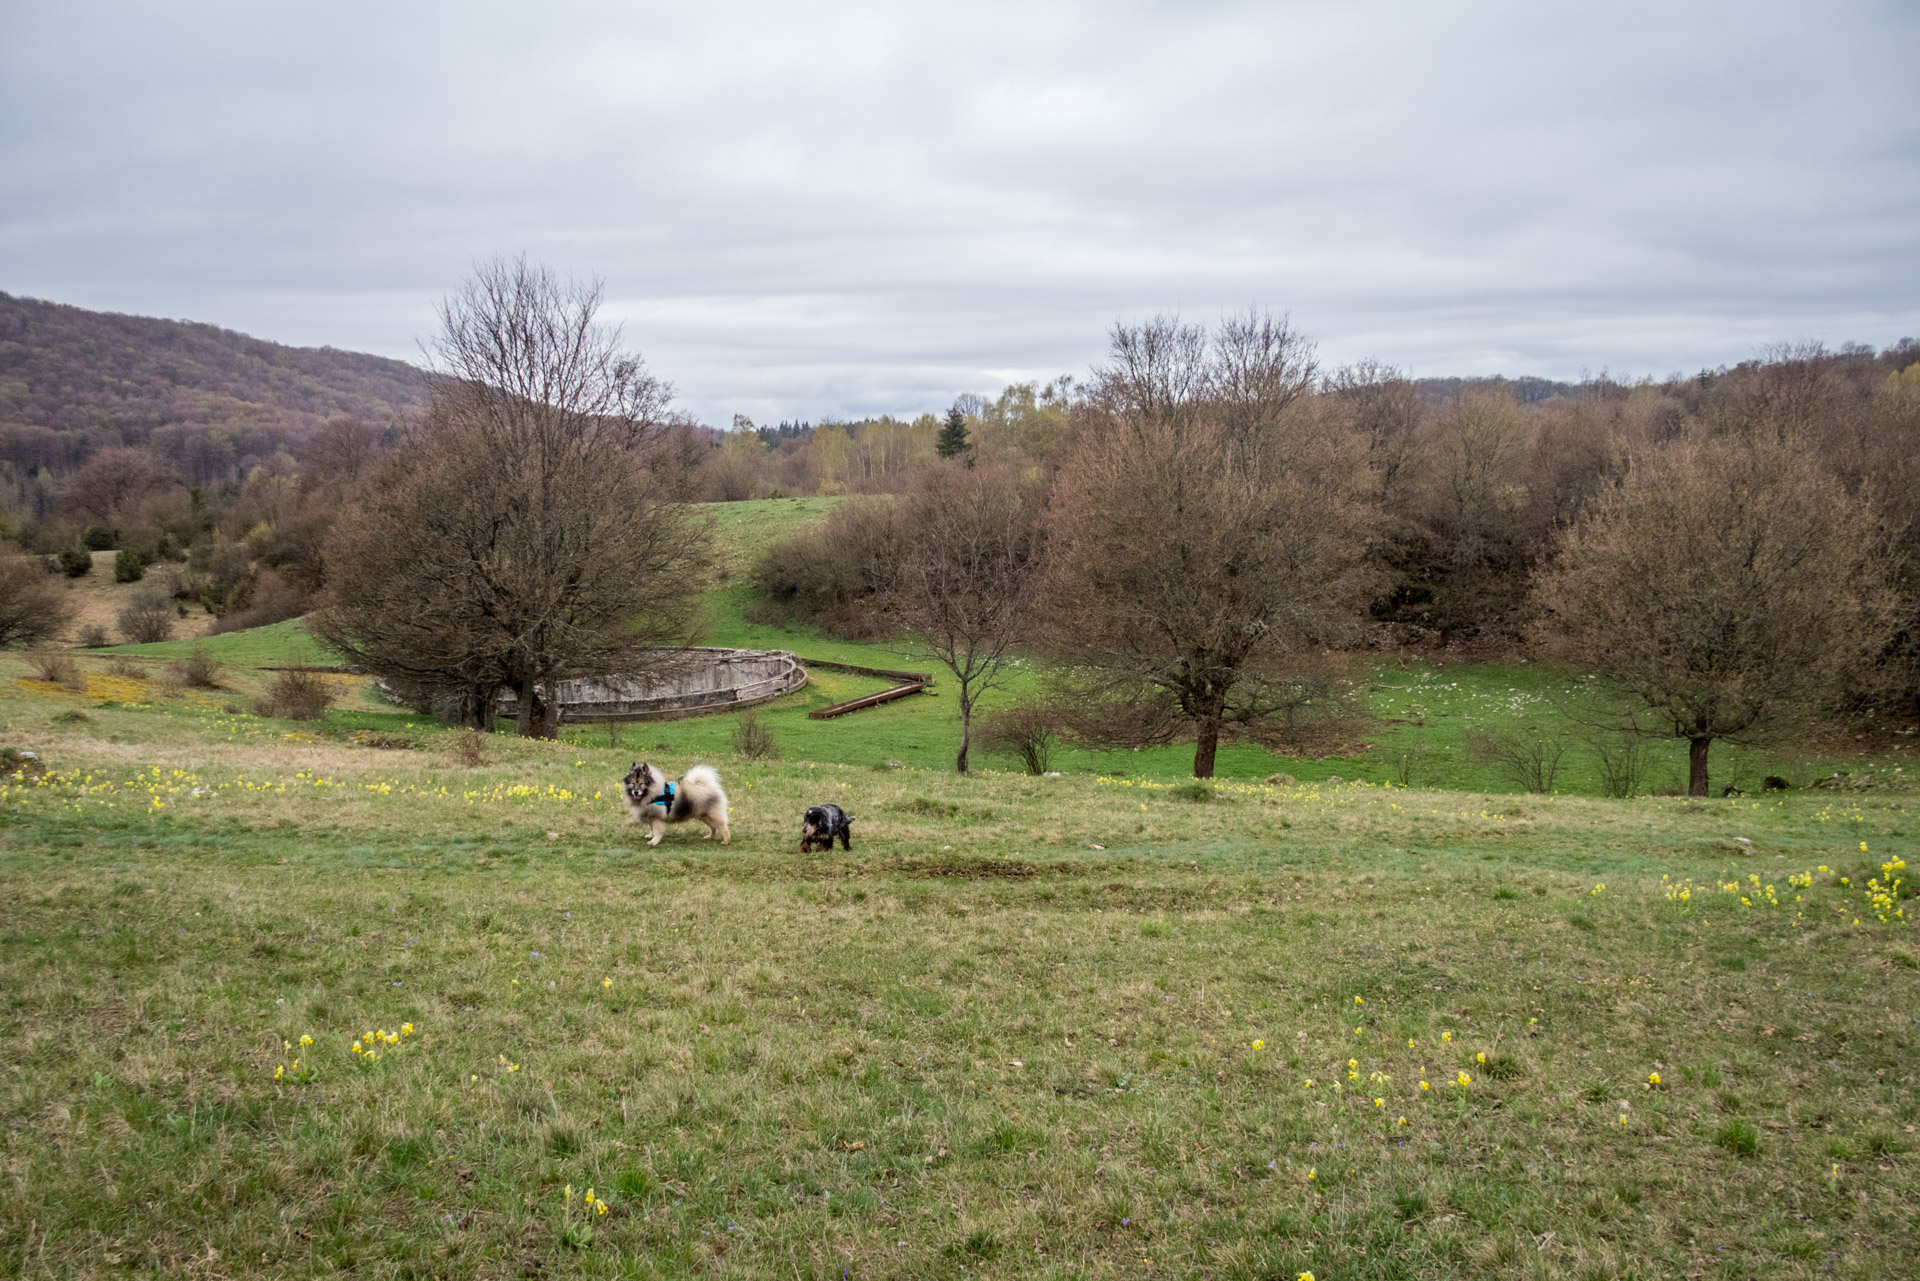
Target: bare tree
[1207,535]
[1721,587]
[516,537]
[34,606]
[966,582]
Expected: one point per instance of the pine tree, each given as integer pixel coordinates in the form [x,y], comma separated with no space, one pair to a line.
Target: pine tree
[953,436]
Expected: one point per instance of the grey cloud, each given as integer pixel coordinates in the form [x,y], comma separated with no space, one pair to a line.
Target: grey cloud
[801,211]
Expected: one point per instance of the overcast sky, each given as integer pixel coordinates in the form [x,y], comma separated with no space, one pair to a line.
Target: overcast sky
[807,210]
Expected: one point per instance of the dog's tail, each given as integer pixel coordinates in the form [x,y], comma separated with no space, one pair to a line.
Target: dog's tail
[705,775]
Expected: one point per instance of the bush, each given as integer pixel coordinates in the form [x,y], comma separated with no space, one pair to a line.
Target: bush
[754,740]
[297,695]
[128,565]
[272,599]
[147,618]
[75,562]
[839,572]
[33,607]
[469,748]
[99,538]
[1195,791]
[1031,733]
[1528,757]
[127,670]
[93,636]
[196,671]
[60,669]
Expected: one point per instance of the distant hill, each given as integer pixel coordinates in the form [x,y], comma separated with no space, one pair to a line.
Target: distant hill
[73,381]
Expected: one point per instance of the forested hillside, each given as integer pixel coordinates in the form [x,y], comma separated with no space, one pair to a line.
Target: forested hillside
[207,401]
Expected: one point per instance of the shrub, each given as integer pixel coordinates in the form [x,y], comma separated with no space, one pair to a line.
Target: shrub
[839,572]
[469,748]
[75,562]
[93,636]
[197,670]
[99,538]
[1194,791]
[147,618]
[297,695]
[273,599]
[1031,733]
[60,669]
[128,565]
[33,607]
[127,669]
[754,740]
[1623,762]
[1528,757]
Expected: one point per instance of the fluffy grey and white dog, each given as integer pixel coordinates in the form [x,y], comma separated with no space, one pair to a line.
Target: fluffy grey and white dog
[654,799]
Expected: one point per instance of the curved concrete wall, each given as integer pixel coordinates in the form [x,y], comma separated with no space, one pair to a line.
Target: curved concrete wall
[700,683]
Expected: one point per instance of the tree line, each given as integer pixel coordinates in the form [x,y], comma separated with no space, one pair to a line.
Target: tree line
[1732,556]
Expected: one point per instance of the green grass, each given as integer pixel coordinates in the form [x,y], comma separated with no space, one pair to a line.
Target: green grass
[1010,1035]
[278,644]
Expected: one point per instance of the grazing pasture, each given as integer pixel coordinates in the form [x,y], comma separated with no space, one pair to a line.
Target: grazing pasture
[1030,1027]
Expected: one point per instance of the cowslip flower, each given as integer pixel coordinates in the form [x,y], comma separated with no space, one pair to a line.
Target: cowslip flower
[1259,1045]
[305,1039]
[1446,1037]
[1379,1103]
[1461,1078]
[1359,1001]
[1411,1043]
[1423,1085]
[1308,1085]
[606,982]
[1480,1057]
[1653,1079]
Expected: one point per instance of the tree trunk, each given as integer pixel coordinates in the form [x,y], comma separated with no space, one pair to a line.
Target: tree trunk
[1697,765]
[536,719]
[1208,741]
[966,729]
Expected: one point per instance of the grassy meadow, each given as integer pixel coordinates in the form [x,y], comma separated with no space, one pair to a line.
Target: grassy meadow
[311,999]
[1029,1027]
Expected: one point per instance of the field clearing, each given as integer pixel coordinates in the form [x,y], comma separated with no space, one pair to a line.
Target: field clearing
[1029,1027]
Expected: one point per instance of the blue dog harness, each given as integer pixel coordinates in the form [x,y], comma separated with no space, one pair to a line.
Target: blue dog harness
[665,799]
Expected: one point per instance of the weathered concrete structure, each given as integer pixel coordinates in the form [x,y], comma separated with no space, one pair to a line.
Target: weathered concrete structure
[699,682]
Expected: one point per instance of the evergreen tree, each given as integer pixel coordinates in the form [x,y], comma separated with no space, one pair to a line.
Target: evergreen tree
[953,436]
